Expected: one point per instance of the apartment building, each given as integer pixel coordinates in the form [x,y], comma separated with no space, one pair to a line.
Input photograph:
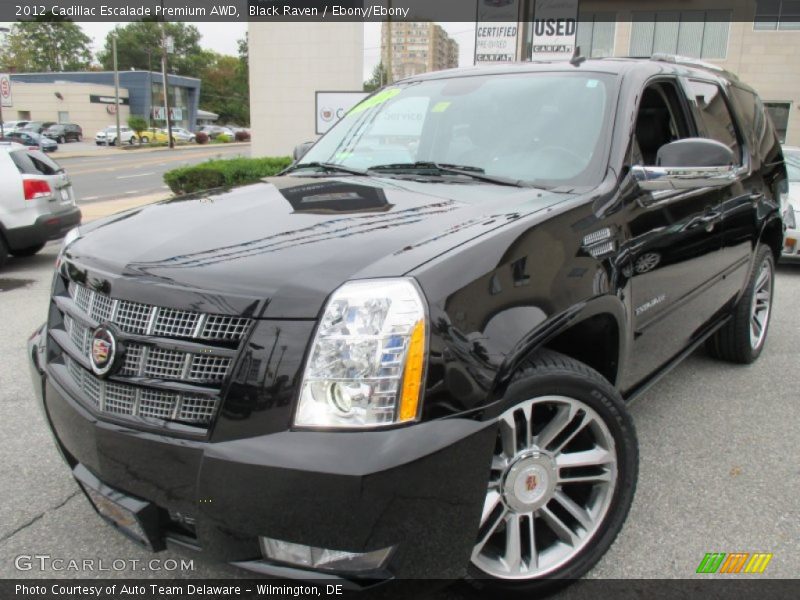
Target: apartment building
[417,47]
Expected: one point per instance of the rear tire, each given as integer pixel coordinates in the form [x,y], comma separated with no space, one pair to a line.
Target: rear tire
[29,251]
[562,480]
[145,139]
[742,339]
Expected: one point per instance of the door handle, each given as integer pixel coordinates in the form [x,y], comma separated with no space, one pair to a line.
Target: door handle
[709,220]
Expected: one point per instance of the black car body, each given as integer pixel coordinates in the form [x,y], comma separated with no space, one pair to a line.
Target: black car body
[611,271]
[64,132]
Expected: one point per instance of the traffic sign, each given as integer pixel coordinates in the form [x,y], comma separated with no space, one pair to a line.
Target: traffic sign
[5,90]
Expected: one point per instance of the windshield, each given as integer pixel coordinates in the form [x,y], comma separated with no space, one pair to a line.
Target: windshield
[792,159]
[542,128]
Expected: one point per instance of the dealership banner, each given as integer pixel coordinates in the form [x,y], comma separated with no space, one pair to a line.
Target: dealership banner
[497,31]
[555,24]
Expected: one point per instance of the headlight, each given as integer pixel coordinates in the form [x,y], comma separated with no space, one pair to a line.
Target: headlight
[367,360]
[789,217]
[73,235]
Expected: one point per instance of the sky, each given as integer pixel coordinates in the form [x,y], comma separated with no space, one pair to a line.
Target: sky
[222,38]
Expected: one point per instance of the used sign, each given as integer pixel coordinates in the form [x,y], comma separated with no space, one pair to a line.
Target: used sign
[555,24]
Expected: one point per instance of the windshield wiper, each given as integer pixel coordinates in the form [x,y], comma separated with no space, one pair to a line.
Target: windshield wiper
[327,167]
[476,173]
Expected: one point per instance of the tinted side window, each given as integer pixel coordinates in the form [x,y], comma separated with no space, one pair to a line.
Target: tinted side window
[716,122]
[758,127]
[34,163]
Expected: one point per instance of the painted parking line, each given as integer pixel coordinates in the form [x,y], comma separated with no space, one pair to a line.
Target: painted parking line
[137,175]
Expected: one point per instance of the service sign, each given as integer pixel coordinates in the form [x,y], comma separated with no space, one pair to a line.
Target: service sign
[5,90]
[497,31]
[332,106]
[555,24]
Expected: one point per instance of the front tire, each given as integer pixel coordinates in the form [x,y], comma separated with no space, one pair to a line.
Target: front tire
[145,139]
[562,479]
[742,339]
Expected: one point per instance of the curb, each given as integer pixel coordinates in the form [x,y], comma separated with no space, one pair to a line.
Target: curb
[98,210]
[101,153]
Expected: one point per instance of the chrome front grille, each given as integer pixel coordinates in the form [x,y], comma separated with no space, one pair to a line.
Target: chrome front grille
[137,318]
[151,361]
[175,361]
[121,399]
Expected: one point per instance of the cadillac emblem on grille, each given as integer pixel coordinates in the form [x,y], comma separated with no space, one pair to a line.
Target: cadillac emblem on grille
[105,350]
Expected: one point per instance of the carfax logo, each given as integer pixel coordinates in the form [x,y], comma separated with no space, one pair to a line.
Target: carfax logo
[735,562]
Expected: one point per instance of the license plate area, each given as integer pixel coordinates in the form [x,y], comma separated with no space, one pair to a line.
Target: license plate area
[136,519]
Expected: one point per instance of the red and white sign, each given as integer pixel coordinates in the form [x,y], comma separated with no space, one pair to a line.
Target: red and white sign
[5,90]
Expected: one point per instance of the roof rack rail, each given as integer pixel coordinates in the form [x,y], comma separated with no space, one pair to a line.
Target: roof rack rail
[686,60]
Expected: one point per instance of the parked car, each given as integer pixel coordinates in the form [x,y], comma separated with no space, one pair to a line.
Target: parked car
[179,134]
[31,138]
[36,126]
[413,359]
[64,132]
[37,203]
[791,205]
[108,136]
[11,126]
[153,135]
[214,131]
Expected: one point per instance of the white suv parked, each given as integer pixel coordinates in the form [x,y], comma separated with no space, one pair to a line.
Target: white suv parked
[37,203]
[109,135]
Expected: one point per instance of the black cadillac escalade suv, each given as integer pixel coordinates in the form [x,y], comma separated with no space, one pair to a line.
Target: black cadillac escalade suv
[409,356]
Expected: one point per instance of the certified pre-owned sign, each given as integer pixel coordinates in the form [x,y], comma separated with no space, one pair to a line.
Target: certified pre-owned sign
[332,106]
[497,31]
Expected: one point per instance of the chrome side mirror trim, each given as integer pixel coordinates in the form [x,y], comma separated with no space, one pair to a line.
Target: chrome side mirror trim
[653,179]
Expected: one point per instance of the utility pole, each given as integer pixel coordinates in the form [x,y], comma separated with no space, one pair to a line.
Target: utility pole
[389,74]
[116,88]
[164,53]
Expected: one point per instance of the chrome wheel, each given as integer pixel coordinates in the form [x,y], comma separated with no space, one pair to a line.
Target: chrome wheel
[761,304]
[553,476]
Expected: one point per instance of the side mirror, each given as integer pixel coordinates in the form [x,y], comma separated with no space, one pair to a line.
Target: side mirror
[301,150]
[688,164]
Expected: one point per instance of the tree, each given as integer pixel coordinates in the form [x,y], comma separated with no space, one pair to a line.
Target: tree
[138,124]
[225,87]
[56,44]
[139,47]
[377,80]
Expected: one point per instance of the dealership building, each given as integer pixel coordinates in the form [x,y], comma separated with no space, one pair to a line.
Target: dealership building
[87,98]
[758,40]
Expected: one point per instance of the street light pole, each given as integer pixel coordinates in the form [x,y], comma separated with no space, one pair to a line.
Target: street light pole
[116,87]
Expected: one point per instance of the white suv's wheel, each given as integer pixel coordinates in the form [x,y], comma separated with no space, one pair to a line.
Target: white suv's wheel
[562,479]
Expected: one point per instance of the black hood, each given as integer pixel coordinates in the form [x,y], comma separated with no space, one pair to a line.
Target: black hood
[291,241]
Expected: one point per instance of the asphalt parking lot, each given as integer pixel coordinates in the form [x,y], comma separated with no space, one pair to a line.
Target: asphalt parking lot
[720,459]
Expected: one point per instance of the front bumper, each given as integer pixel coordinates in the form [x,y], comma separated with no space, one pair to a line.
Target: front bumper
[418,489]
[46,228]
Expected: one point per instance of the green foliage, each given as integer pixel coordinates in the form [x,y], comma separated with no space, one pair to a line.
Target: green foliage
[377,80]
[139,47]
[39,45]
[225,88]
[138,124]
[223,138]
[224,173]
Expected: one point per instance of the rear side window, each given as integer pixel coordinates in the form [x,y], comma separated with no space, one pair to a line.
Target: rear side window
[758,127]
[716,121]
[34,162]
